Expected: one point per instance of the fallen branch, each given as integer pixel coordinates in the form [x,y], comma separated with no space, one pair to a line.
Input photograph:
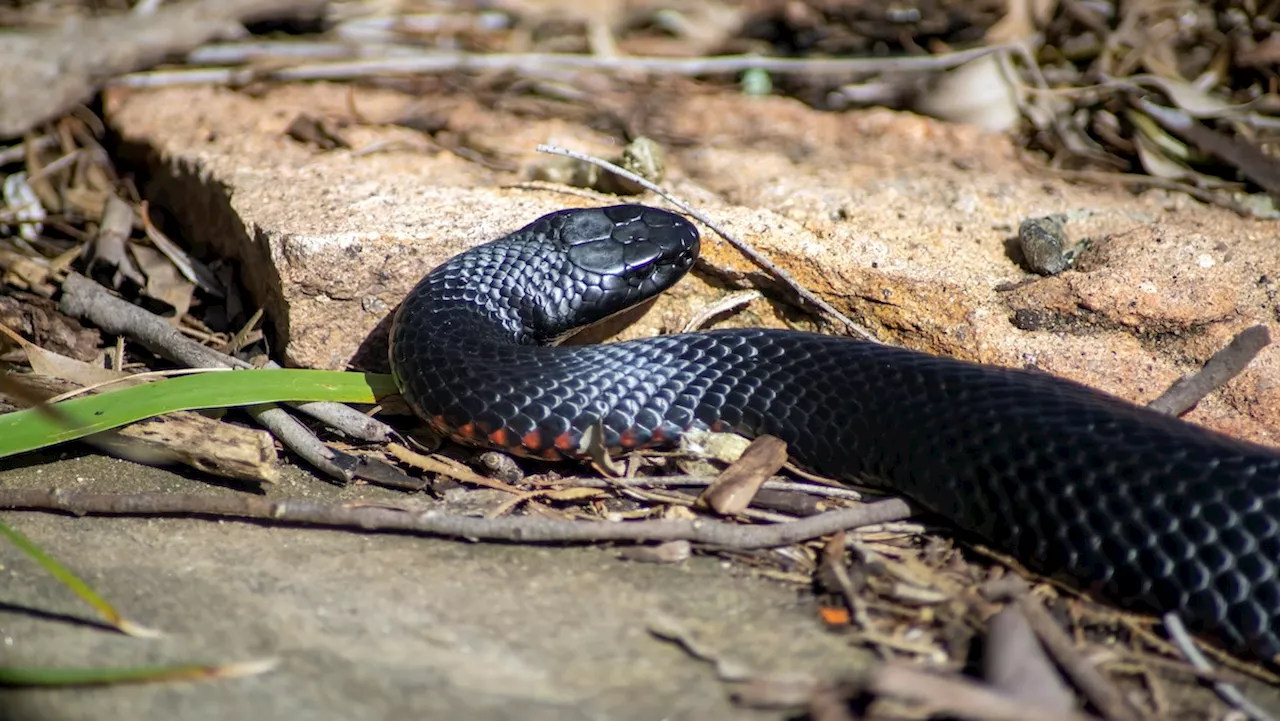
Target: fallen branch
[49,71]
[84,299]
[555,64]
[217,448]
[523,529]
[698,482]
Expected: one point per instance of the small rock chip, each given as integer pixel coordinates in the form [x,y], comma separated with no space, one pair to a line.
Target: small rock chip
[1044,243]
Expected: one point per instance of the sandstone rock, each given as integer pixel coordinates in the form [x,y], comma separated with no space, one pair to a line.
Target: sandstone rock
[906,224]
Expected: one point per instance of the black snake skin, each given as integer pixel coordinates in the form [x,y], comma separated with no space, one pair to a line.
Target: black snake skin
[1155,513]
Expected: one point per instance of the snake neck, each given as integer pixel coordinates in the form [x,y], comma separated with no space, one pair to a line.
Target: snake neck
[563,272]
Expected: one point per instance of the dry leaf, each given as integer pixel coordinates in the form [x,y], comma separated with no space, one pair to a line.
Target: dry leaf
[1156,163]
[1189,98]
[164,282]
[1247,158]
[54,365]
[734,490]
[192,269]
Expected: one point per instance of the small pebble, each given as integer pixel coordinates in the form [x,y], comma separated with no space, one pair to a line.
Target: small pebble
[501,466]
[1044,243]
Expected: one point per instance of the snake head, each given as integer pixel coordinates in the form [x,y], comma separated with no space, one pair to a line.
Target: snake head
[634,243]
[563,271]
[607,260]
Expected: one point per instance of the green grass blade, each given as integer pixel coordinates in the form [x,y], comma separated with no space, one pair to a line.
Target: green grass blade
[32,428]
[62,573]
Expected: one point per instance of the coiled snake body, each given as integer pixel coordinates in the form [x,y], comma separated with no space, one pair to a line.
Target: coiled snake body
[1157,514]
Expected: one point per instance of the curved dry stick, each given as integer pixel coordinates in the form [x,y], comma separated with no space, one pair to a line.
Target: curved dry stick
[523,529]
[752,254]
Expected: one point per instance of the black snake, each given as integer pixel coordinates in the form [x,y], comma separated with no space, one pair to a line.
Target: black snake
[1155,513]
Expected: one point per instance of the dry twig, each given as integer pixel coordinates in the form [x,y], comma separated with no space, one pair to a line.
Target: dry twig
[1222,367]
[1229,692]
[699,481]
[83,298]
[550,64]
[523,529]
[1100,691]
[754,255]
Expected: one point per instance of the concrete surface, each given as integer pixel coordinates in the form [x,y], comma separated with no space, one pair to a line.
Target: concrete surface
[377,626]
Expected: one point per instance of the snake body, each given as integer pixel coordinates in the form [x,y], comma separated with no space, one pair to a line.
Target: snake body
[1155,513]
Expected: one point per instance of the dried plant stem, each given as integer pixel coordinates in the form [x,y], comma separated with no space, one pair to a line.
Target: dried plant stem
[549,63]
[754,255]
[523,529]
